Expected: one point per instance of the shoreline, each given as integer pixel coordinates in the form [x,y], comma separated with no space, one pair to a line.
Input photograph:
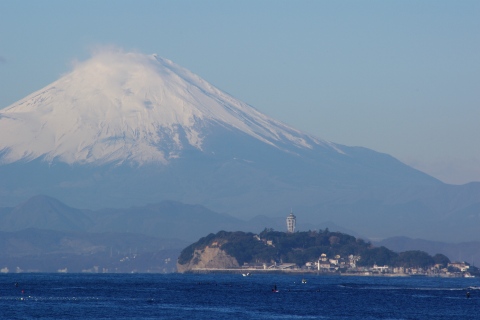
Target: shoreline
[312,272]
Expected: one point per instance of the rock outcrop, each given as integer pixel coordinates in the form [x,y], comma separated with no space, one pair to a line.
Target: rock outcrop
[211,257]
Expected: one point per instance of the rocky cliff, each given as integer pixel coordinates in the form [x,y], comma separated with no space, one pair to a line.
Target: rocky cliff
[210,257]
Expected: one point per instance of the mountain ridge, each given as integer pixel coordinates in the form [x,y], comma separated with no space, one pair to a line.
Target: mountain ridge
[128,129]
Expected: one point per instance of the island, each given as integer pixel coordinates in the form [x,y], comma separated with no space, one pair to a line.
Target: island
[319,251]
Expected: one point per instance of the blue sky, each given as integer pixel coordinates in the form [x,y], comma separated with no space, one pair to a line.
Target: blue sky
[399,77]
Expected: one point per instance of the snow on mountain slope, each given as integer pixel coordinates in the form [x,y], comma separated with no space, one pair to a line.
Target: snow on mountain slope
[129,107]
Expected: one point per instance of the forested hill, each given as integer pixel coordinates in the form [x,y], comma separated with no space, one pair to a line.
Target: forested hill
[301,247]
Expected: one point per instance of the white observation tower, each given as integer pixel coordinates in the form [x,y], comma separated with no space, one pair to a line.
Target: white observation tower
[291,221]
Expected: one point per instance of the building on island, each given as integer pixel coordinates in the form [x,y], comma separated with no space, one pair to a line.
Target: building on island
[291,221]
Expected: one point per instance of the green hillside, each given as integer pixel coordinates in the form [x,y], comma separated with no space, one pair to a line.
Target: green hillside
[301,247]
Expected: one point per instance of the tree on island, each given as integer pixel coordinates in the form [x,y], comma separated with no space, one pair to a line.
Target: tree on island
[308,246]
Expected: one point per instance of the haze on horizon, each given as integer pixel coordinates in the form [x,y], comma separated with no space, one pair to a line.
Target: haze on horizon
[398,77]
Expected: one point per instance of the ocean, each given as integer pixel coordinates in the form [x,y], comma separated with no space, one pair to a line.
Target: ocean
[232,296]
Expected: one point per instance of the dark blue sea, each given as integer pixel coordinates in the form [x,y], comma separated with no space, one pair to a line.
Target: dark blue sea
[222,296]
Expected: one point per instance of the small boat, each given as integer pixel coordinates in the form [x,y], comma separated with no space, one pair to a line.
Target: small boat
[304,280]
[246,274]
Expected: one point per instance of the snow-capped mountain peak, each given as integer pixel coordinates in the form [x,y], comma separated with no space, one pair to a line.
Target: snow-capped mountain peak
[129,107]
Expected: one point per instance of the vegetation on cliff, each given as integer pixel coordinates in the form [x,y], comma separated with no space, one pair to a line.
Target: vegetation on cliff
[301,247]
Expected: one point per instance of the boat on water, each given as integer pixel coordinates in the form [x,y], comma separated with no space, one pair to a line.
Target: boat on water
[248,274]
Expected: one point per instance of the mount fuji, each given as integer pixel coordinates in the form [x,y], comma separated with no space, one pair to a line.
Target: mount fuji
[132,108]
[126,129]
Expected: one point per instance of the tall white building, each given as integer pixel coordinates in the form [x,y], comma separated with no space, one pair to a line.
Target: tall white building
[291,221]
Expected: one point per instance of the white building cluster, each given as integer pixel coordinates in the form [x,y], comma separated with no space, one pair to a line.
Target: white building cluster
[348,265]
[333,264]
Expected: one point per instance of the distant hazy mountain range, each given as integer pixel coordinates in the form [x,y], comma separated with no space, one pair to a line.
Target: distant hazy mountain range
[127,129]
[166,220]
[44,234]
[36,250]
